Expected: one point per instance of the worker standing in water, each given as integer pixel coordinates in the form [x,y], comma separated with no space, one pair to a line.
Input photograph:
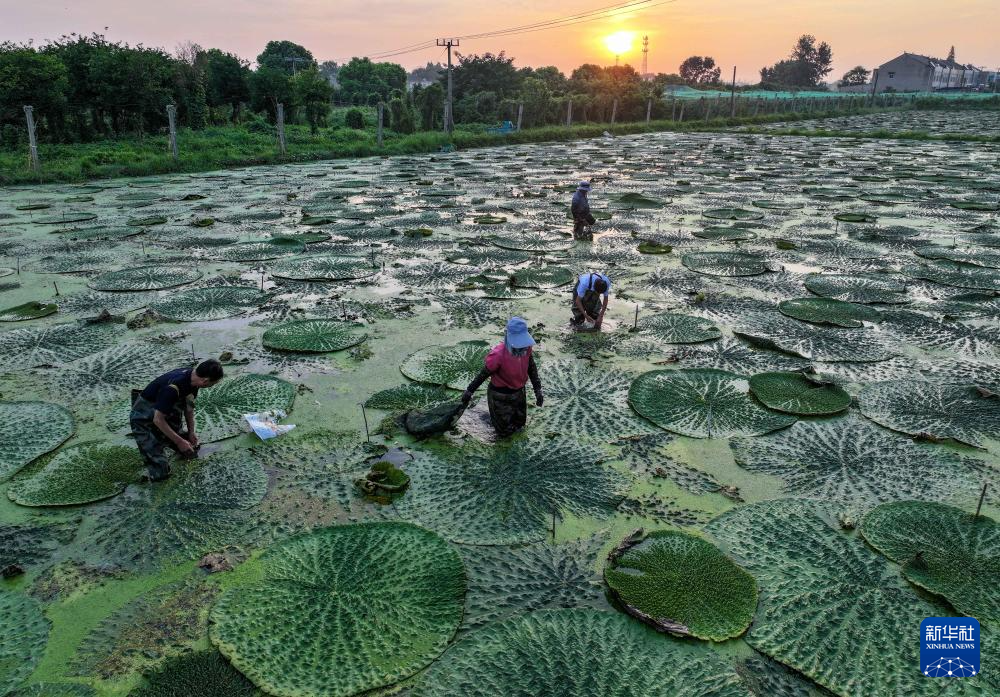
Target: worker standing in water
[582,219]
[509,365]
[590,299]
[157,411]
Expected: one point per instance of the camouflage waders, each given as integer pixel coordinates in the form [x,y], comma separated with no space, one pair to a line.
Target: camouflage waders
[591,301]
[151,441]
[581,227]
[508,410]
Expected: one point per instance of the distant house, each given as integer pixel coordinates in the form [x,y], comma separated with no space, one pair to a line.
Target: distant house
[912,72]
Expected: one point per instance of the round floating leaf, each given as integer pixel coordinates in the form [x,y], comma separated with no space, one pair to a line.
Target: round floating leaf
[323,267]
[454,366]
[145,278]
[976,257]
[29,430]
[671,328]
[634,200]
[539,241]
[738,357]
[858,289]
[409,396]
[567,653]
[799,393]
[219,410]
[588,402]
[60,343]
[775,331]
[91,303]
[106,375]
[64,218]
[976,206]
[652,247]
[313,336]
[25,311]
[261,250]
[489,220]
[207,304]
[855,218]
[202,506]
[856,464]
[778,205]
[957,411]
[702,403]
[951,273]
[55,689]
[74,262]
[944,334]
[729,264]
[725,234]
[827,311]
[78,474]
[826,599]
[508,493]
[548,276]
[683,584]
[732,214]
[202,674]
[435,276]
[23,634]
[32,544]
[942,549]
[343,610]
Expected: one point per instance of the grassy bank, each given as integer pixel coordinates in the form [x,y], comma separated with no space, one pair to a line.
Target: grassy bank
[239,146]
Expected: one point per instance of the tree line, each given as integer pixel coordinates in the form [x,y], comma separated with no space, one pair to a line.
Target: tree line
[86,88]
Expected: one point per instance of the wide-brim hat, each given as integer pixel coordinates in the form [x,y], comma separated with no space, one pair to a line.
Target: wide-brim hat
[583,186]
[517,334]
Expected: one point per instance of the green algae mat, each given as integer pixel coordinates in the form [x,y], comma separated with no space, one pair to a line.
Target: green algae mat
[766,463]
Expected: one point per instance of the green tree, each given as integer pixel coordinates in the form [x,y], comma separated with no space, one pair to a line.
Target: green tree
[537,99]
[329,70]
[84,114]
[227,81]
[401,116]
[487,72]
[360,78]
[700,70]
[808,64]
[857,75]
[31,78]
[313,92]
[550,75]
[134,86]
[354,119]
[286,56]
[268,87]
[429,102]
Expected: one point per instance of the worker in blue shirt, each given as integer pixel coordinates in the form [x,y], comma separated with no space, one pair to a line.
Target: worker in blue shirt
[590,299]
[157,410]
[582,219]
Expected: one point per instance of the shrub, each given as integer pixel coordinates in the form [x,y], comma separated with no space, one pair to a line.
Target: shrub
[354,119]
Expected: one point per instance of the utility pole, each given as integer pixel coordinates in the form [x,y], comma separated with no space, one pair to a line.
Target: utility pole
[732,96]
[294,60]
[645,57]
[449,124]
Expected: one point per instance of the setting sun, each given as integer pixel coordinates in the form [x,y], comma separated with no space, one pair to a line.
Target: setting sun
[620,42]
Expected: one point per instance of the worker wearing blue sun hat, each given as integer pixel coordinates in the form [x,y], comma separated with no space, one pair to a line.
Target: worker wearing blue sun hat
[509,365]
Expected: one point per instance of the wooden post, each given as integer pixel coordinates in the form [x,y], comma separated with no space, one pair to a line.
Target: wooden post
[520,115]
[673,107]
[281,128]
[981,497]
[681,117]
[756,106]
[614,111]
[732,96]
[569,112]
[446,115]
[649,109]
[708,110]
[172,125]
[874,87]
[381,116]
[29,115]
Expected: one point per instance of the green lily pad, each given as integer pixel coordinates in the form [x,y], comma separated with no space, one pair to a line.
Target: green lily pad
[580,652]
[773,330]
[55,689]
[975,257]
[145,278]
[23,634]
[799,393]
[732,214]
[106,375]
[858,289]
[29,430]
[433,276]
[544,276]
[849,217]
[313,336]
[412,395]
[453,366]
[672,328]
[208,304]
[682,584]
[725,234]
[702,403]
[261,250]
[148,221]
[778,205]
[489,220]
[944,550]
[201,674]
[26,311]
[57,344]
[976,206]
[324,267]
[651,247]
[369,605]
[635,200]
[963,413]
[535,241]
[958,275]
[81,473]
[219,410]
[730,264]
[828,311]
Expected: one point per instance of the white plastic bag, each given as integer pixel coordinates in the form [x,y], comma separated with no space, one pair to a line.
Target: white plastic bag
[265,424]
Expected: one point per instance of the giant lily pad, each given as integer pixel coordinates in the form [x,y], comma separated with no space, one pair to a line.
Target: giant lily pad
[567,653]
[547,276]
[730,264]
[534,242]
[682,584]
[827,311]
[453,366]
[412,395]
[952,273]
[29,430]
[825,597]
[313,336]
[775,331]
[858,289]
[23,633]
[945,334]
[508,493]
[201,674]
[673,328]
[634,200]
[856,464]
[702,403]
[976,257]
[207,304]
[959,411]
[368,605]
[60,343]
[219,410]
[82,473]
[145,278]
[108,374]
[324,267]
[261,250]
[732,214]
[799,393]
[28,310]
[433,276]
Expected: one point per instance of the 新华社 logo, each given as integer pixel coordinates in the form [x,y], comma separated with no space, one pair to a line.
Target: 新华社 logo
[949,647]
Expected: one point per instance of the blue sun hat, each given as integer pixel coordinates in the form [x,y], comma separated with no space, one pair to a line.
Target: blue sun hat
[517,334]
[583,186]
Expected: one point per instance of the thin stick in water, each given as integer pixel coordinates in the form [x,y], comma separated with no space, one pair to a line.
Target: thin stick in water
[982,496]
[365,416]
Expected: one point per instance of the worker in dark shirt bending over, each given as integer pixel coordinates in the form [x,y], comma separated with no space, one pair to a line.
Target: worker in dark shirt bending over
[157,411]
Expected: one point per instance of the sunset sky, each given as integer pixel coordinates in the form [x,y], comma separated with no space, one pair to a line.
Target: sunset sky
[745,33]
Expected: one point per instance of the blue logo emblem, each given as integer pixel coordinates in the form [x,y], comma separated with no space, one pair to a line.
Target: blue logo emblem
[949,647]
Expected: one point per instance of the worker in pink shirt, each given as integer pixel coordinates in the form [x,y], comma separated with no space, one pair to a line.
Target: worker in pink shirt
[509,366]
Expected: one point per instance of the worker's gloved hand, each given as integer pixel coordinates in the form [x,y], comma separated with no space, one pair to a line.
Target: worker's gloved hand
[539,399]
[466,397]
